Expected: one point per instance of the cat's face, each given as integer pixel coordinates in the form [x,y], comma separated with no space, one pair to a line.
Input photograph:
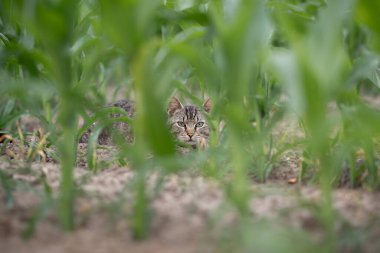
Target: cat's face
[188,123]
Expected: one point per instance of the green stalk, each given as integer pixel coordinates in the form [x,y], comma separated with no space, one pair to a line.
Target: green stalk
[67,149]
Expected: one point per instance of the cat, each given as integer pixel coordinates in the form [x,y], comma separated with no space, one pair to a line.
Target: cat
[122,128]
[187,124]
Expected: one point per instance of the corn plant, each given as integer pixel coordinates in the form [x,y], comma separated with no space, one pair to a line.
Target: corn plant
[60,59]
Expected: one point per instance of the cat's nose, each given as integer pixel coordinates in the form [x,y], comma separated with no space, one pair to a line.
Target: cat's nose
[190,132]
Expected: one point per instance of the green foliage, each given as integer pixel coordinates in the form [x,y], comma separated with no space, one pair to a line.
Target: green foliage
[7,185]
[60,59]
[366,12]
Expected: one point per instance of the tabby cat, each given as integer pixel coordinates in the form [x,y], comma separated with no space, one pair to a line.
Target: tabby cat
[187,123]
[123,129]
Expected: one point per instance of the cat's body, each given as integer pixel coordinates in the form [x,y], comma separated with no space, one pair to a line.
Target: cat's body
[186,123]
[122,128]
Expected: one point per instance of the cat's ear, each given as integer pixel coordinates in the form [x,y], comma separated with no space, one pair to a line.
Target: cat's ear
[207,105]
[174,105]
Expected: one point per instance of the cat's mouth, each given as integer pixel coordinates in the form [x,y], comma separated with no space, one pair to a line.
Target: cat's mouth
[188,140]
[191,141]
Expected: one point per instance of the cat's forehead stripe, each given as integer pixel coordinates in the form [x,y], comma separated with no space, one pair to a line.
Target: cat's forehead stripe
[190,112]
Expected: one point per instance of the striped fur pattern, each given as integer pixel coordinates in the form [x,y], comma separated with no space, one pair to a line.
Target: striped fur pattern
[121,128]
[188,123]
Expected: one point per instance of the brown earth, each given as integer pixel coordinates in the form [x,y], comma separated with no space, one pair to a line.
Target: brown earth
[190,213]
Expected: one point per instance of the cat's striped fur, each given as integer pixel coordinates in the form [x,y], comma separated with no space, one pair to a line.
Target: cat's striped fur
[187,123]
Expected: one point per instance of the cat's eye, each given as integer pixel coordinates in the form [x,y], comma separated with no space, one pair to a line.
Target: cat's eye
[199,124]
[180,123]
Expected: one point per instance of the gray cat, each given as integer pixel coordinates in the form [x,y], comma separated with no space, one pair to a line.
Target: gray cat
[186,123]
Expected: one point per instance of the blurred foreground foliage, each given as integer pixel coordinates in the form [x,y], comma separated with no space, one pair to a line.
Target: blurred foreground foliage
[257,60]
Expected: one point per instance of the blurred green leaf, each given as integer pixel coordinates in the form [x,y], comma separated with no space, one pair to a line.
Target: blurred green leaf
[367,13]
[259,62]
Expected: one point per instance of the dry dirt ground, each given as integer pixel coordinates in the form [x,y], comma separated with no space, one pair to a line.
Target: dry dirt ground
[190,212]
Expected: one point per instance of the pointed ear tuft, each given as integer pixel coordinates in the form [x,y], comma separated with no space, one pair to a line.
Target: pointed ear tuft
[207,105]
[174,105]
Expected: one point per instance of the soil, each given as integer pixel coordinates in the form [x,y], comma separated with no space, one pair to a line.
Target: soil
[189,212]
